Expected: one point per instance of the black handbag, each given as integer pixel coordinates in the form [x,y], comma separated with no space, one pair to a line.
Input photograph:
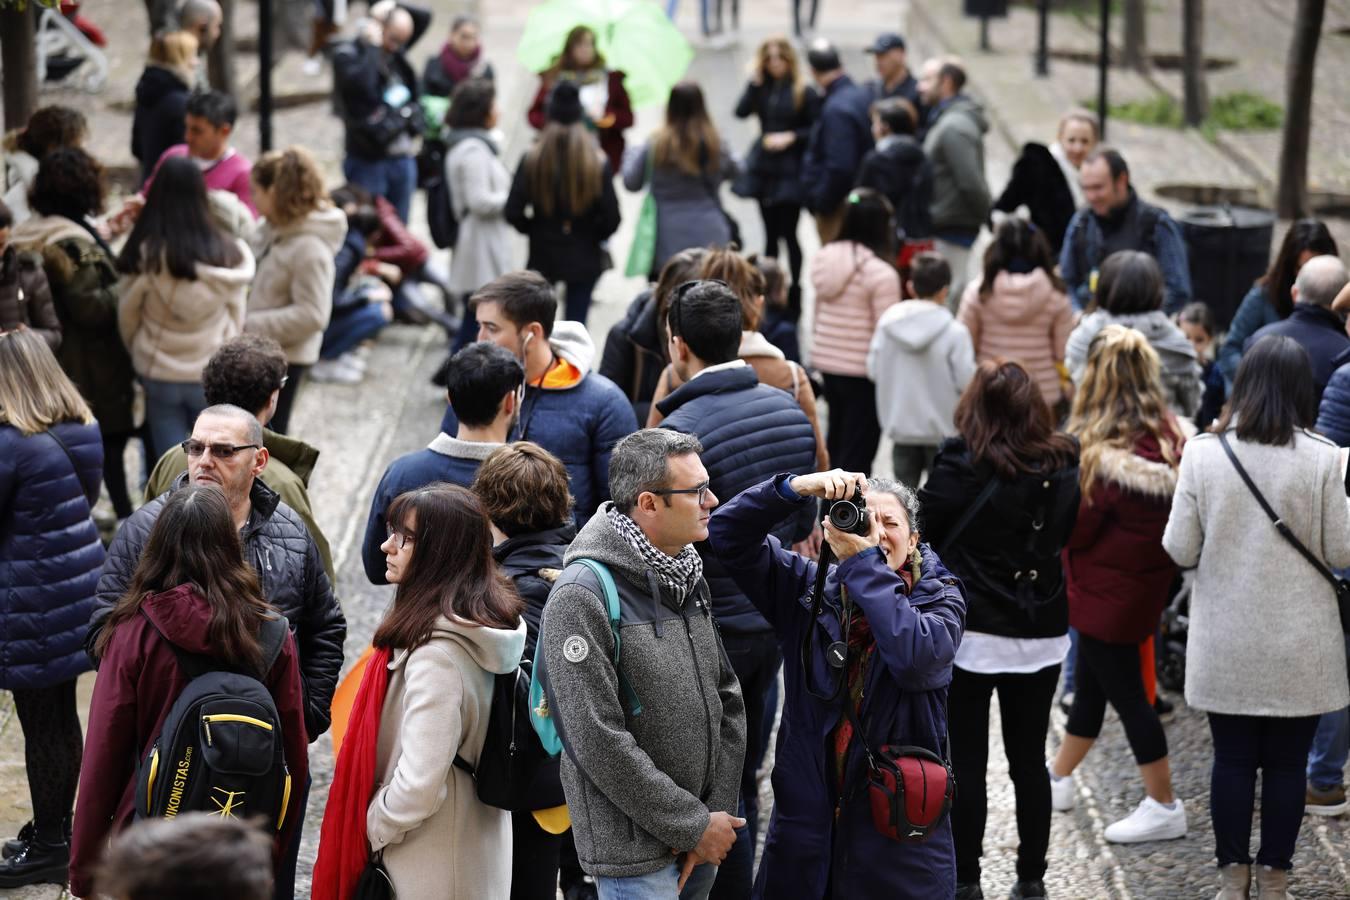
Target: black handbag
[374,883]
[1341,586]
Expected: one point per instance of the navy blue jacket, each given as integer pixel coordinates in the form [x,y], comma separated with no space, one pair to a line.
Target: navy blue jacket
[749,432]
[50,553]
[1254,313]
[1333,413]
[905,702]
[1320,331]
[839,138]
[447,459]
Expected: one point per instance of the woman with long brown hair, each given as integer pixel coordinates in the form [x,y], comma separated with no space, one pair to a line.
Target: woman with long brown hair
[192,593]
[424,701]
[999,507]
[563,199]
[776,93]
[683,164]
[1117,572]
[605,106]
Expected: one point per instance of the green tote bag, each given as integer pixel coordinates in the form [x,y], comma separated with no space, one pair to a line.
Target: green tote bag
[643,252]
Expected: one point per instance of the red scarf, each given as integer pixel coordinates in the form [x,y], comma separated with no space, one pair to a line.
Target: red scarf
[456,66]
[343,848]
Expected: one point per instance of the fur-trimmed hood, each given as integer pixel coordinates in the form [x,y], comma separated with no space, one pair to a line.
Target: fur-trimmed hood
[1141,469]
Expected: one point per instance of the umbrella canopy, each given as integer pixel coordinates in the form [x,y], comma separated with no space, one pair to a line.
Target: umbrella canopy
[634,36]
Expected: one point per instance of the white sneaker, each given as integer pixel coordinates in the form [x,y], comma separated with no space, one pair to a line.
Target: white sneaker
[1062,792]
[353,360]
[1150,821]
[313,66]
[334,371]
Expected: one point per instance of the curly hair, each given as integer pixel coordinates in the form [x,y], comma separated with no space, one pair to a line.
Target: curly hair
[69,183]
[296,184]
[524,489]
[52,127]
[244,372]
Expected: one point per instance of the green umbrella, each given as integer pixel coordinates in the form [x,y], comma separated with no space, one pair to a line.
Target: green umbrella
[634,36]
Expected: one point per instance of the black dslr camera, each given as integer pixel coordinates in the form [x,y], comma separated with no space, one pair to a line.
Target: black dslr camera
[851,515]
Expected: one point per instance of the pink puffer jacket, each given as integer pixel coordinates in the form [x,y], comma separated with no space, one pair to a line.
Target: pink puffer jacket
[853,288]
[1023,319]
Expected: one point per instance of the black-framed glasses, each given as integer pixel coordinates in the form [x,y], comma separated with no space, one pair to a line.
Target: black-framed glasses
[701,490]
[404,538]
[195,448]
[677,309]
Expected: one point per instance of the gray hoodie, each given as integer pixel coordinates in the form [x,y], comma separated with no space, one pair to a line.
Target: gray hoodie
[921,359]
[639,786]
[1180,370]
[955,147]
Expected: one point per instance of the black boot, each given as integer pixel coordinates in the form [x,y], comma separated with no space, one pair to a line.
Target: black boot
[37,863]
[15,846]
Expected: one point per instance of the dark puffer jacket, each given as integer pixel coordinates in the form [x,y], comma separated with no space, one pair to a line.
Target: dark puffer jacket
[26,298]
[158,121]
[533,562]
[1008,556]
[776,176]
[50,553]
[750,432]
[293,580]
[1038,181]
[633,358]
[1333,414]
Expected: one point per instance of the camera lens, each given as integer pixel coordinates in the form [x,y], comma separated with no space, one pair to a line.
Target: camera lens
[845,516]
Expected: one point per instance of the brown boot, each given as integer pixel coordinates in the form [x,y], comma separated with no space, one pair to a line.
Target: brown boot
[1235,882]
[1272,884]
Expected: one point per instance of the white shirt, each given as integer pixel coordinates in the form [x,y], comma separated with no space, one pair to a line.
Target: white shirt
[992,654]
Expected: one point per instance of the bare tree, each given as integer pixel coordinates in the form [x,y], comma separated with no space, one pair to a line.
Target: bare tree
[18,58]
[1291,195]
[1195,88]
[1135,49]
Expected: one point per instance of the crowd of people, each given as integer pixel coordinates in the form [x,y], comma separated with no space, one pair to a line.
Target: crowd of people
[679,546]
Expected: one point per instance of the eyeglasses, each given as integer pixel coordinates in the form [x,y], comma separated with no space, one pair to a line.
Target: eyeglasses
[401,538]
[701,490]
[677,308]
[195,449]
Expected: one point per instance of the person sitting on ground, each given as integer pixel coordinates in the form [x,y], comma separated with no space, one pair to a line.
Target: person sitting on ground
[921,360]
[483,384]
[196,855]
[249,371]
[161,98]
[1045,179]
[460,58]
[1317,327]
[572,412]
[49,128]
[25,295]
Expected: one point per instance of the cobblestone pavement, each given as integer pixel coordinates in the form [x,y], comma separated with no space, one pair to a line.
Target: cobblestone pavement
[361,428]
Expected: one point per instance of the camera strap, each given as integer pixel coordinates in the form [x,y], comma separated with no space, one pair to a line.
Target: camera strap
[836,654]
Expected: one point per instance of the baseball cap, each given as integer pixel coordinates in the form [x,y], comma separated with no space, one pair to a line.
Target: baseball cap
[888,41]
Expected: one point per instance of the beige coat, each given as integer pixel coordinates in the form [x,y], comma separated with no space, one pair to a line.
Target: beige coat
[440,842]
[172,326]
[292,296]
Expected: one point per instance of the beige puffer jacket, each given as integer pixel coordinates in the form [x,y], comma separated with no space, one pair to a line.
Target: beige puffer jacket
[292,296]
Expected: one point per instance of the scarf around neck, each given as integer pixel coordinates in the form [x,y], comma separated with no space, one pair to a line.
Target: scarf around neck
[456,66]
[679,573]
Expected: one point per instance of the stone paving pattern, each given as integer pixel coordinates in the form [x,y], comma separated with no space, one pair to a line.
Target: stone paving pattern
[359,429]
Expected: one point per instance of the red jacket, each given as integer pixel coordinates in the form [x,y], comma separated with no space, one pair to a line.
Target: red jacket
[1117,572]
[394,243]
[138,682]
[618,106]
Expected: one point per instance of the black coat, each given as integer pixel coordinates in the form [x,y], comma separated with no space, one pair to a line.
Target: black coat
[288,564]
[157,123]
[1038,181]
[840,138]
[775,178]
[898,169]
[1010,567]
[437,82]
[1320,332]
[533,562]
[564,247]
[633,357]
[361,75]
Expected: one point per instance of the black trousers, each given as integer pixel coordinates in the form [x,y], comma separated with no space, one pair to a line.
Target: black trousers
[53,746]
[534,859]
[780,227]
[854,432]
[281,419]
[1109,673]
[1024,701]
[1279,748]
[115,472]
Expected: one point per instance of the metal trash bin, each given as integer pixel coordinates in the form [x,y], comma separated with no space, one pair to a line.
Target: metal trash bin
[1228,248]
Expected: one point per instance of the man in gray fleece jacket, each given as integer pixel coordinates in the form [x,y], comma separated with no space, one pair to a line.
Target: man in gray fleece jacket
[653,747]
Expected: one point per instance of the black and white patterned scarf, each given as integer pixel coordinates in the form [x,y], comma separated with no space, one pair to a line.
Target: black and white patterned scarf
[679,573]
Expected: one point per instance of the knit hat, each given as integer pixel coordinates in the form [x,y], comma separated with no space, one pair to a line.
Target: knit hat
[564,104]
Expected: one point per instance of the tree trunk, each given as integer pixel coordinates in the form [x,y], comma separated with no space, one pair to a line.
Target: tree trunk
[1291,200]
[18,58]
[1195,89]
[1135,49]
[220,69]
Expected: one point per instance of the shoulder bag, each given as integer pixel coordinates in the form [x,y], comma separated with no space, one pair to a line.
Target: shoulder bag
[642,253]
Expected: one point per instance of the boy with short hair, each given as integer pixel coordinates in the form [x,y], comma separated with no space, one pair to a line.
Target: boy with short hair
[197,855]
[921,359]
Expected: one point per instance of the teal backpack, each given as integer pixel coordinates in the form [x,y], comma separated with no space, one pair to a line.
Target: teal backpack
[540,716]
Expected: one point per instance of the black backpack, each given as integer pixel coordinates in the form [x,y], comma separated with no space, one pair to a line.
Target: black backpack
[442,221]
[220,750]
[512,757]
[914,218]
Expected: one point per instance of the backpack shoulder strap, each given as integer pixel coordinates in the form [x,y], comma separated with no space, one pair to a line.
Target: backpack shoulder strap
[611,594]
[969,515]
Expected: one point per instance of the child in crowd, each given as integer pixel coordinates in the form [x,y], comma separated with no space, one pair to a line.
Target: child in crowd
[197,855]
[1197,323]
[777,323]
[921,359]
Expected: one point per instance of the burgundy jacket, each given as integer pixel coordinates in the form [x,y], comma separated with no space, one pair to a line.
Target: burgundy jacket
[611,138]
[394,243]
[1117,572]
[138,682]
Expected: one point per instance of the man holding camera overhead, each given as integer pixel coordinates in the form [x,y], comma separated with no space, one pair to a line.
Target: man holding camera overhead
[868,644]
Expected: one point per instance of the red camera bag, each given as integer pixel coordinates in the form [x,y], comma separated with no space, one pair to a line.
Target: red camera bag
[910,790]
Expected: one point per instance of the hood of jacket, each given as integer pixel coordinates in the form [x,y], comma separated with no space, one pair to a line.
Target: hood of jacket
[298,456]
[915,324]
[41,231]
[572,342]
[963,107]
[458,136]
[328,224]
[755,345]
[1162,333]
[156,83]
[200,300]
[527,554]
[1140,468]
[183,616]
[835,265]
[496,650]
[1018,297]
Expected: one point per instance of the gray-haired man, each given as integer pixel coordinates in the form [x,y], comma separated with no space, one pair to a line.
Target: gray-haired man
[653,795]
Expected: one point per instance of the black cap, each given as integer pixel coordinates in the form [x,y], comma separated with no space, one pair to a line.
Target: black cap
[822,56]
[564,104]
[888,41]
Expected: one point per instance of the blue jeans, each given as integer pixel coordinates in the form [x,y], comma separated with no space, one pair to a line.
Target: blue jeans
[1071,661]
[659,885]
[350,328]
[578,300]
[392,178]
[171,409]
[1330,746]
